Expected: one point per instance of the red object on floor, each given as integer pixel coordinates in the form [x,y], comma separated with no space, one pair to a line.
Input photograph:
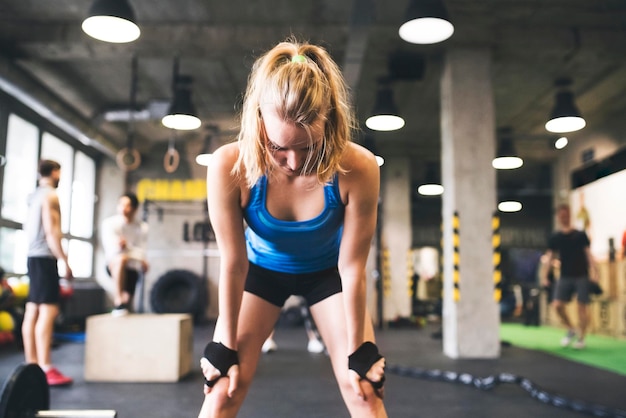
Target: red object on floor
[56,378]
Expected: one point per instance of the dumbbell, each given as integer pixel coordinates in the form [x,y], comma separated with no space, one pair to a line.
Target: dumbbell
[26,394]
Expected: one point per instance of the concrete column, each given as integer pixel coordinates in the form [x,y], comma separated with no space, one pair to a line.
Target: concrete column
[395,237]
[471,318]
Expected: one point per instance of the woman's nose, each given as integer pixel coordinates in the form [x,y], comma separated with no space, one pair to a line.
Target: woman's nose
[292,160]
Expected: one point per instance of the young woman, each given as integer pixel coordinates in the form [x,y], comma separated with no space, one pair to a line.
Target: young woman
[308,196]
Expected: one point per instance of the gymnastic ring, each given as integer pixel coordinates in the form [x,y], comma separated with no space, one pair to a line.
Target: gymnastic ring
[121,159]
[171,160]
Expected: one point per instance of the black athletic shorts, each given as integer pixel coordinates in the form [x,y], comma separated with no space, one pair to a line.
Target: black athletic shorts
[44,280]
[565,288]
[275,287]
[130,280]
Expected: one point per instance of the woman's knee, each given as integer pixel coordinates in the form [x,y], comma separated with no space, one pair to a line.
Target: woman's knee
[221,401]
[368,406]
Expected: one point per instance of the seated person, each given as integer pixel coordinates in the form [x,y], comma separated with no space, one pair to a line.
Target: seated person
[124,242]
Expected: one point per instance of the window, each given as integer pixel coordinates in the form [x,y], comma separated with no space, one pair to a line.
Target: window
[80,257]
[20,172]
[13,250]
[83,196]
[52,148]
[26,144]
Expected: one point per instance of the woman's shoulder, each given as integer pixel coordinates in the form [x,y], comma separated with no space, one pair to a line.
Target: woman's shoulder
[227,152]
[221,168]
[357,158]
[225,157]
[361,171]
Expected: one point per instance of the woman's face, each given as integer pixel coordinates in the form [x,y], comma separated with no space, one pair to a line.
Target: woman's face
[288,143]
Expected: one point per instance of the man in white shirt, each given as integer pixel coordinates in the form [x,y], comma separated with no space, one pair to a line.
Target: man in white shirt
[124,241]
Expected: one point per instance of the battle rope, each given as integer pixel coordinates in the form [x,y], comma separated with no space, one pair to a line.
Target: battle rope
[489,382]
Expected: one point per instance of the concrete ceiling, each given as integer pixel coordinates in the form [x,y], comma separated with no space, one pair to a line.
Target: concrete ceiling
[533,42]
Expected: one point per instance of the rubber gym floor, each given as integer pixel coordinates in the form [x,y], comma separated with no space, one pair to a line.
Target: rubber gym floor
[294,383]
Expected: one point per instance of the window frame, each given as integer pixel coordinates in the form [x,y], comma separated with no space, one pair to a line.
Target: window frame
[10,105]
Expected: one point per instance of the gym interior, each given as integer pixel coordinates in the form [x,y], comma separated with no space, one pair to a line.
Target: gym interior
[461,316]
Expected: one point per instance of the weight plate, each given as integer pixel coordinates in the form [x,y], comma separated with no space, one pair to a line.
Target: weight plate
[25,392]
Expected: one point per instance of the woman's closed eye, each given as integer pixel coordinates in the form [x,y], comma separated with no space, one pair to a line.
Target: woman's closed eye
[274,147]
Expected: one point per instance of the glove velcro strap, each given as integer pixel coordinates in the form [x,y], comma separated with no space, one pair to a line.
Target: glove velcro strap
[221,357]
[364,358]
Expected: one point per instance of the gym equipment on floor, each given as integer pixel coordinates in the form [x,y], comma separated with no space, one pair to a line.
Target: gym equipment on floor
[26,394]
[490,382]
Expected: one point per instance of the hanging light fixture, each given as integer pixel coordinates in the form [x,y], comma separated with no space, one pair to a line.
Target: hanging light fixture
[385,115]
[182,113]
[431,186]
[427,22]
[561,142]
[565,116]
[203,159]
[509,206]
[111,21]
[506,158]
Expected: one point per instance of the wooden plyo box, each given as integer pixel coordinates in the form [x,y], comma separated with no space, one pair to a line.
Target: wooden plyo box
[138,347]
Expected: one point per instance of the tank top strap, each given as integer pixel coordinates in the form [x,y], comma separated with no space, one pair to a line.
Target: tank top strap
[258,192]
[331,190]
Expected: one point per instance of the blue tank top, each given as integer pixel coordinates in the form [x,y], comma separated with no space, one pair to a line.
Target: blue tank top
[294,246]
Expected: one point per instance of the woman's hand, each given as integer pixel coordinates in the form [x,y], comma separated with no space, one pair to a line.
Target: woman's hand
[219,361]
[367,366]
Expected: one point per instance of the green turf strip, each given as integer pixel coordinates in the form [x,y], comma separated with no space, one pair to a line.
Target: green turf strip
[602,352]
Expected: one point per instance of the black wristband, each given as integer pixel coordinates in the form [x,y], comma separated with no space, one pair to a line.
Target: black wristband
[221,357]
[364,358]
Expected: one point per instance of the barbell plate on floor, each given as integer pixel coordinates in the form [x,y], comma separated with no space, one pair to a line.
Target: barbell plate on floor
[87,413]
[25,392]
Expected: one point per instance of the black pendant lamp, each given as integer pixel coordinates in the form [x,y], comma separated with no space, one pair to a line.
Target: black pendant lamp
[385,115]
[432,185]
[111,21]
[506,158]
[182,114]
[427,22]
[565,116]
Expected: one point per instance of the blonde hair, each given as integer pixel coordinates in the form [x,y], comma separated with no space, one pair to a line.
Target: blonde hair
[302,91]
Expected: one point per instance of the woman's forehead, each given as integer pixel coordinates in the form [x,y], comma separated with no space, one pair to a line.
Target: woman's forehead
[281,131]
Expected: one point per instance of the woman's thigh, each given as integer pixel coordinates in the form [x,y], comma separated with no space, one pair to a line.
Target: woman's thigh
[257,318]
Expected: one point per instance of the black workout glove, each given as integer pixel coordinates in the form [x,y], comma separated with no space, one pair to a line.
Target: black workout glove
[363,359]
[221,357]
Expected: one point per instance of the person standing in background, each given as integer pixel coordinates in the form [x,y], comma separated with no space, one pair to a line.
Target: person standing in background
[124,241]
[577,268]
[43,234]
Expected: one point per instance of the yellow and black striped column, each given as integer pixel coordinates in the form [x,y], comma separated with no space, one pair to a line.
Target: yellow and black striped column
[441,261]
[496,242]
[456,239]
[386,272]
